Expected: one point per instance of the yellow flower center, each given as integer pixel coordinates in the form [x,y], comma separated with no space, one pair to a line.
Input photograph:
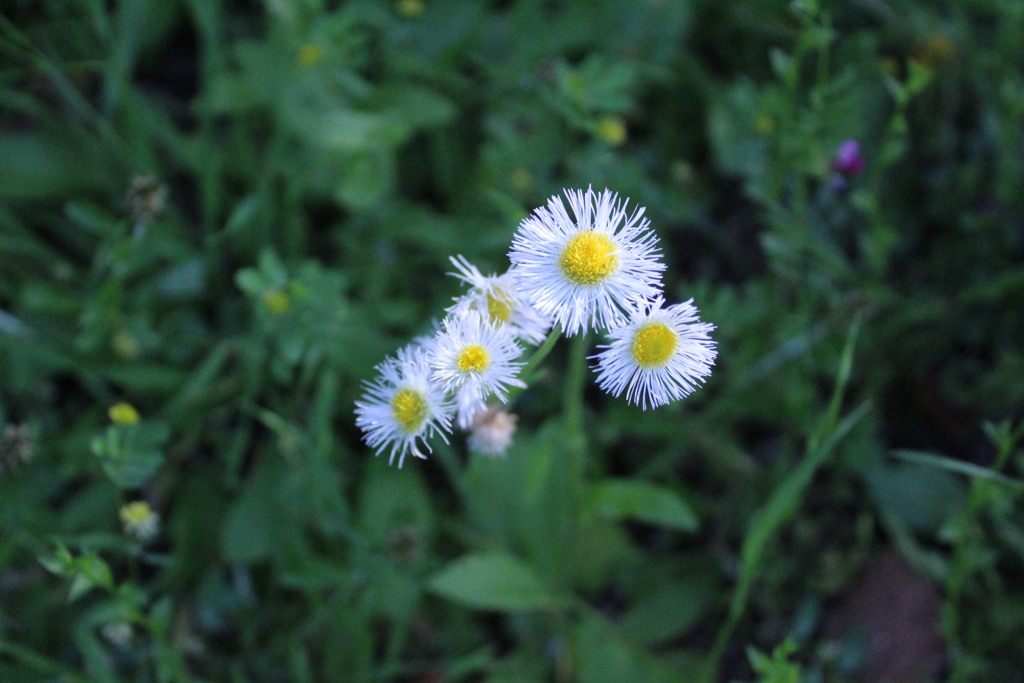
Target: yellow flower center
[474,358]
[499,306]
[410,409]
[654,345]
[589,258]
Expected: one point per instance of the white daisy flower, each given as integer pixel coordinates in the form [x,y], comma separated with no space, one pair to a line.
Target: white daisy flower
[403,406]
[589,269]
[475,359]
[660,355]
[141,522]
[497,298]
[492,432]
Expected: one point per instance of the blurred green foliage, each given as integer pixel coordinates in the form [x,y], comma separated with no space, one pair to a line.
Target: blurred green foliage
[224,214]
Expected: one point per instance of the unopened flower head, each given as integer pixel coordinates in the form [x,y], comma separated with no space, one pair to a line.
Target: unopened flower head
[403,406]
[17,446]
[146,198]
[660,355]
[586,270]
[612,129]
[140,521]
[476,359]
[123,414]
[847,159]
[847,163]
[492,433]
[497,298]
[118,633]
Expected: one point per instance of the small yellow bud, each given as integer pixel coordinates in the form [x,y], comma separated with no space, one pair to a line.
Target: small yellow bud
[612,129]
[125,345]
[276,301]
[410,9]
[936,52]
[309,55]
[764,124]
[123,414]
[520,179]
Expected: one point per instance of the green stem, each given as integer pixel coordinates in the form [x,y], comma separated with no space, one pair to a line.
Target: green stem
[543,350]
[572,414]
[572,399]
[529,371]
[136,547]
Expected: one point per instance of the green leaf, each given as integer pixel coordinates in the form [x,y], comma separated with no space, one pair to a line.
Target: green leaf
[782,64]
[134,470]
[415,106]
[243,215]
[131,454]
[670,610]
[251,281]
[92,572]
[36,165]
[364,178]
[777,668]
[519,501]
[29,660]
[921,496]
[347,130]
[87,571]
[918,76]
[640,501]
[61,563]
[273,268]
[389,503]
[494,581]
[183,280]
[253,524]
[603,655]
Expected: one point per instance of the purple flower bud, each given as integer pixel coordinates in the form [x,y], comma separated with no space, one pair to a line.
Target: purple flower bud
[848,160]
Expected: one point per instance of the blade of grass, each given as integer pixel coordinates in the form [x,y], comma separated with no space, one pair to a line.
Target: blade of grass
[842,379]
[781,507]
[845,367]
[958,467]
[785,502]
[39,663]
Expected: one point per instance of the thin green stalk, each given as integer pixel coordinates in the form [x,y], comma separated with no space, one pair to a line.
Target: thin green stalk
[572,415]
[968,546]
[529,371]
[133,553]
[31,659]
[572,398]
[83,110]
[765,527]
